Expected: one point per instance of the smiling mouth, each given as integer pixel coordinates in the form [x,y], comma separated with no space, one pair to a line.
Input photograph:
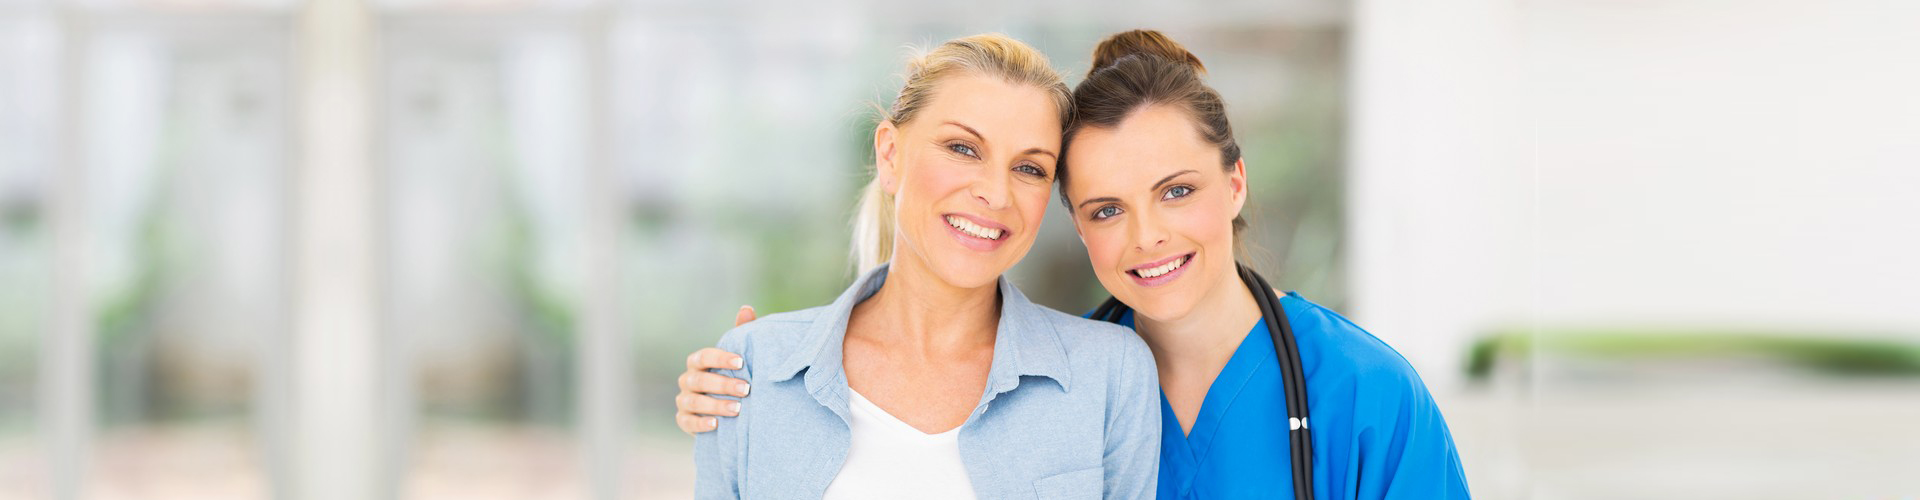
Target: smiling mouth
[1162,269]
[974,230]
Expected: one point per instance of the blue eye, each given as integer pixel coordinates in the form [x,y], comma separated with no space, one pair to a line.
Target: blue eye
[1177,192]
[963,149]
[1031,170]
[1106,212]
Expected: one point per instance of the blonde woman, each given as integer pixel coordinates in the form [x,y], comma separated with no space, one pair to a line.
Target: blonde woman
[932,376]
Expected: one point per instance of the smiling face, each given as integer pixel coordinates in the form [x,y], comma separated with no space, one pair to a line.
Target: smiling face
[1155,209]
[969,177]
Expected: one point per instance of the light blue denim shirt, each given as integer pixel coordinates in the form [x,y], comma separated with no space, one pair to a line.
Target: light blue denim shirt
[1071,408]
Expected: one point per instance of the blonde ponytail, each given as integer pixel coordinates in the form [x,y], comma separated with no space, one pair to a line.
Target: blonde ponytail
[873,228]
[990,54]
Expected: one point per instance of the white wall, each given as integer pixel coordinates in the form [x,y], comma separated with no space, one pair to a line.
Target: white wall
[1438,184]
[1717,163]
[1751,164]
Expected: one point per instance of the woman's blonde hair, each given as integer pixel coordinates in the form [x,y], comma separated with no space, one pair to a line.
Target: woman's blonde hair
[990,54]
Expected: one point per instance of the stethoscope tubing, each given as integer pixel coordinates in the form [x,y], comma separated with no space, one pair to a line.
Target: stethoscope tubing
[1287,351]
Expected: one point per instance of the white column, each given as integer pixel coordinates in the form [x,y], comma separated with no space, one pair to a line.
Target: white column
[1438,185]
[335,422]
[603,348]
[66,381]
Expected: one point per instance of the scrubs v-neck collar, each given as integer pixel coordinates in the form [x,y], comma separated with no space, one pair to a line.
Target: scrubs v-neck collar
[1191,449]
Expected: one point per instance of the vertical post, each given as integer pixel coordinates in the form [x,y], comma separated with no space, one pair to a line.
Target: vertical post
[602,352]
[273,355]
[334,414]
[67,413]
[1434,140]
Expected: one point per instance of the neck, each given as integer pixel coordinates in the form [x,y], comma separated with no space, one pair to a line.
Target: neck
[918,311]
[1206,337]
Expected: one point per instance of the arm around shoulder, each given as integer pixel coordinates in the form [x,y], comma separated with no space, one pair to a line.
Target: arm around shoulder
[719,455]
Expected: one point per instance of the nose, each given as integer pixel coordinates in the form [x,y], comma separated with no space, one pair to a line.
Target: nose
[994,191]
[1148,232]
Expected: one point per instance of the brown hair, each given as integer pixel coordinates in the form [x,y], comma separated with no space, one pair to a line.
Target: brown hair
[1134,70]
[990,54]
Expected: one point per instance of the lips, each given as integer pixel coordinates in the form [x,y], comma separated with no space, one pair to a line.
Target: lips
[974,229]
[975,232]
[1162,271]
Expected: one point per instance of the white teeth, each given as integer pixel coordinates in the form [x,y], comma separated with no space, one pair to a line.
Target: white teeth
[1157,271]
[967,226]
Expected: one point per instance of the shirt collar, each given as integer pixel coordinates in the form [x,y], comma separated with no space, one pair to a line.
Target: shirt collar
[1025,343]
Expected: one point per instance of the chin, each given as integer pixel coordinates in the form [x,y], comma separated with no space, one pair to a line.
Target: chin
[969,278]
[970,271]
[1161,306]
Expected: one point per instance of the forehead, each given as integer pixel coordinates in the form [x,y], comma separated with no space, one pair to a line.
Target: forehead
[1144,148]
[1024,115]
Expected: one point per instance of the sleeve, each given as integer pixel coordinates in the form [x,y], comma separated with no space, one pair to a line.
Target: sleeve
[1132,459]
[719,457]
[1410,455]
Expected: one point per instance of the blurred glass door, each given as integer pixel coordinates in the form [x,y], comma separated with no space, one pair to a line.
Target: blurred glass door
[143,157]
[484,143]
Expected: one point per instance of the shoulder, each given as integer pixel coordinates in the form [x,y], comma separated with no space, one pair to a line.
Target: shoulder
[1345,352]
[1373,392]
[1105,348]
[774,334]
[1079,334]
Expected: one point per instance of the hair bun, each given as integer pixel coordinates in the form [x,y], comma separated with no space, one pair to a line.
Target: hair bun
[1148,42]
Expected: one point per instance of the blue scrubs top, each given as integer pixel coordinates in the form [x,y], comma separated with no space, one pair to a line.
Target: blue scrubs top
[1376,430]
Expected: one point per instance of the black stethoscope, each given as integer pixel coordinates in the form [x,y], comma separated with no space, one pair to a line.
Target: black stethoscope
[1295,384]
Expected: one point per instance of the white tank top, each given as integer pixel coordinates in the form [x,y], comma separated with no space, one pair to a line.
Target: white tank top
[889,459]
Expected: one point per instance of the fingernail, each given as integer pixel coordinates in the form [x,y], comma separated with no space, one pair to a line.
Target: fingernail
[691,356]
[734,407]
[739,363]
[713,423]
[743,388]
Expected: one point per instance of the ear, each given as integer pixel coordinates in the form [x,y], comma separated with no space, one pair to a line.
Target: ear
[1238,180]
[885,169]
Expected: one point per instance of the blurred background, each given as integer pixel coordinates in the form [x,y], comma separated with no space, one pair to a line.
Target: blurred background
[459,249]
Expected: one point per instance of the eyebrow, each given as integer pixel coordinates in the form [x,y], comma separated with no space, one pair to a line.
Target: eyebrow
[983,138]
[970,130]
[1156,187]
[1164,180]
[1103,199]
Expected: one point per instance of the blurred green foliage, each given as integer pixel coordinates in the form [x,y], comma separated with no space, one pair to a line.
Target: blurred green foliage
[1838,355]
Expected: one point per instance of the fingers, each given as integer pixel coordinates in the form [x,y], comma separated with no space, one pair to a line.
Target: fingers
[745,315]
[695,424]
[714,358]
[705,406]
[695,409]
[712,383]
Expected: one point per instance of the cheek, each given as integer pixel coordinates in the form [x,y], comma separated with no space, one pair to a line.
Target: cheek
[1105,244]
[1208,223]
[924,181]
[1033,200]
